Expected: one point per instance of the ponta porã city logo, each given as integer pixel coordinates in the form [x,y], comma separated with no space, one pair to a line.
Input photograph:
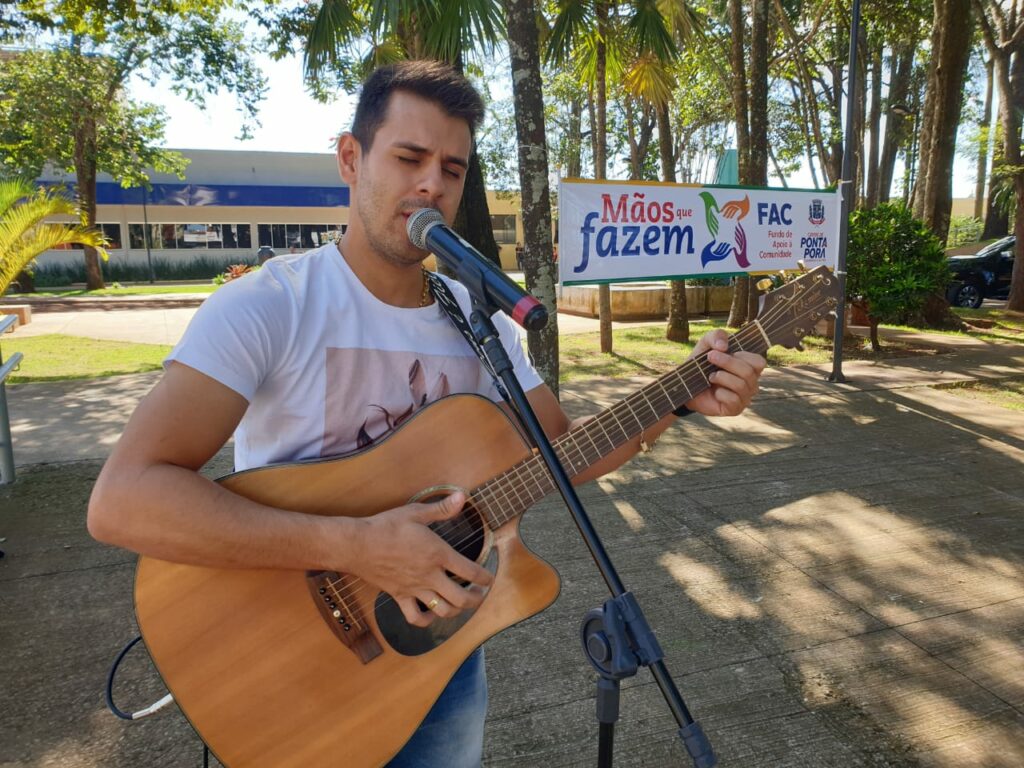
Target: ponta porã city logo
[816,214]
[733,211]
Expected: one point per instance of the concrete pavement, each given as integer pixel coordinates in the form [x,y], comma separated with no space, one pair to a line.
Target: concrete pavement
[836,578]
[165,321]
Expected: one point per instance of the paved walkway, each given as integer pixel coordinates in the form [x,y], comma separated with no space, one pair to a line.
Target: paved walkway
[836,578]
[163,322]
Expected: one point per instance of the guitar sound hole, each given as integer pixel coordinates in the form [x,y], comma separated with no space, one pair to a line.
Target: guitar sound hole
[465,533]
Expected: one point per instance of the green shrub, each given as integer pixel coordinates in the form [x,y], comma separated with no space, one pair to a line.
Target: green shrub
[170,270]
[964,229]
[895,264]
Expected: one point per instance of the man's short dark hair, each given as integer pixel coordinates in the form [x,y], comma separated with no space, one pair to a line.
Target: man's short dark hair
[431,80]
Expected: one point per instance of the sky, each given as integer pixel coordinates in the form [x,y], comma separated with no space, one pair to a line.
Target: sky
[292,121]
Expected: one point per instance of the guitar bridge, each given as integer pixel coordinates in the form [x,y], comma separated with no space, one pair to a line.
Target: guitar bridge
[342,614]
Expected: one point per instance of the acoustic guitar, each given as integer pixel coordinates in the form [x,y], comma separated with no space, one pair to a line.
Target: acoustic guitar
[281,668]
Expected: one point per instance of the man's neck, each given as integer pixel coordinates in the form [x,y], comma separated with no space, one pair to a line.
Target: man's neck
[395,284]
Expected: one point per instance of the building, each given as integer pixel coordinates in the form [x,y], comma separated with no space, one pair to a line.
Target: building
[231,203]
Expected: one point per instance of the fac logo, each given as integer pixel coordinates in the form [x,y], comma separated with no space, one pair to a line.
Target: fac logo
[733,210]
[817,213]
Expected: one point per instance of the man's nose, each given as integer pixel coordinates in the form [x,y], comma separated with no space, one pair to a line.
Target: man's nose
[431,182]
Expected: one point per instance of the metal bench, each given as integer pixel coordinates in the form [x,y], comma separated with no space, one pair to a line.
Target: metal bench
[6,442]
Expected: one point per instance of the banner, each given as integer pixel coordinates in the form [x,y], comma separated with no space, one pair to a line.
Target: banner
[625,231]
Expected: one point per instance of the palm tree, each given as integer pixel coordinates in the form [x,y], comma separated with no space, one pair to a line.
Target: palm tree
[399,29]
[25,233]
[599,40]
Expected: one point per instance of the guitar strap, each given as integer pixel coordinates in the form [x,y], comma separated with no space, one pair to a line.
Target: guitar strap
[443,296]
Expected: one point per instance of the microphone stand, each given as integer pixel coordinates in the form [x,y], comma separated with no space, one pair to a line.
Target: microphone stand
[617,639]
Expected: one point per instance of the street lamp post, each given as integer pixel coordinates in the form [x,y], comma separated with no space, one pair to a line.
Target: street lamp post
[846,192]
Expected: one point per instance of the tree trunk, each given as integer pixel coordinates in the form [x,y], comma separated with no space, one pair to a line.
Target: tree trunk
[952,33]
[1016,300]
[857,166]
[85,173]
[740,107]
[983,139]
[26,282]
[524,54]
[875,123]
[897,124]
[1010,75]
[740,299]
[604,292]
[473,219]
[997,219]
[742,118]
[757,169]
[574,163]
[876,345]
[757,172]
[678,313]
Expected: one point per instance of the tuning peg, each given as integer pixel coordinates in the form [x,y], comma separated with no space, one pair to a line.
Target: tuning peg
[803,267]
[764,284]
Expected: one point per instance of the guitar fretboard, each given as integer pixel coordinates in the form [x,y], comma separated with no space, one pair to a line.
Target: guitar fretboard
[511,493]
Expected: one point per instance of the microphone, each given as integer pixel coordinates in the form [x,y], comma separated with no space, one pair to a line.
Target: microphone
[428,231]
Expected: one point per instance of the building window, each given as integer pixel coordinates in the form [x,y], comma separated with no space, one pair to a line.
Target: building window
[113,234]
[504,226]
[231,236]
[284,237]
[166,236]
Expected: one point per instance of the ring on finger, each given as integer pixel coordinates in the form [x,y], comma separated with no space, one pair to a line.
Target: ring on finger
[433,604]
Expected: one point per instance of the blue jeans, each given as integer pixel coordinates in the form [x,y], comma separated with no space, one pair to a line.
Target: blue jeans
[452,733]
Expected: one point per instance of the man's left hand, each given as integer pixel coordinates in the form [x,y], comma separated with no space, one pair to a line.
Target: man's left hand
[734,384]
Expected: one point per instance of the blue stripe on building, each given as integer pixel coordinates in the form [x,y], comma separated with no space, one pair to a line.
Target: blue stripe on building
[206,195]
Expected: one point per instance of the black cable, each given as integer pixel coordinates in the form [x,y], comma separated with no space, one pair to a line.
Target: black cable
[110,680]
[127,716]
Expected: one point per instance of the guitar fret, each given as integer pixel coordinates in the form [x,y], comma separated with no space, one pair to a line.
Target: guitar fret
[511,493]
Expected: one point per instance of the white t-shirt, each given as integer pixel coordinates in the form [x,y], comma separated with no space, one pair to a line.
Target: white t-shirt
[327,367]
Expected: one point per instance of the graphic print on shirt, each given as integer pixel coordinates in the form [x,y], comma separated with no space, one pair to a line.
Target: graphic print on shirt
[370,392]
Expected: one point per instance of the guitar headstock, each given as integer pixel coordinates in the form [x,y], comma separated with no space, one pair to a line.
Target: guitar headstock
[789,312]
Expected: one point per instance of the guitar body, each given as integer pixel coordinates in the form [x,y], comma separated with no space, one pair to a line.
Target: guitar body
[252,656]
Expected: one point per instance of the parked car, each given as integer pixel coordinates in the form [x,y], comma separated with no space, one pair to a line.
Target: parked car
[983,275]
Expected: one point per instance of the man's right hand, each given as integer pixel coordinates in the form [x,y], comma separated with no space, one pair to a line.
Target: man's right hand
[400,554]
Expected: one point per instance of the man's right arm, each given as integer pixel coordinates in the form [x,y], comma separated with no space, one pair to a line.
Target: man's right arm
[151,499]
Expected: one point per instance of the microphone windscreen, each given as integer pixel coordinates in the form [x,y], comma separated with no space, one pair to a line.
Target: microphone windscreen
[419,223]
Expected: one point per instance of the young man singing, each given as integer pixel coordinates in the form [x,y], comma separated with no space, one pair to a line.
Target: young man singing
[322,353]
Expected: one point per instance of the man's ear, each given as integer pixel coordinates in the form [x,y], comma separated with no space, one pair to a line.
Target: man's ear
[349,154]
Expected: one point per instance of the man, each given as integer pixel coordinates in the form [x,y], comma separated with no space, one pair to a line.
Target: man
[322,353]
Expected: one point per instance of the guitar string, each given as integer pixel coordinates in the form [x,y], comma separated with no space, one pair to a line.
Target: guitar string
[532,464]
[535,467]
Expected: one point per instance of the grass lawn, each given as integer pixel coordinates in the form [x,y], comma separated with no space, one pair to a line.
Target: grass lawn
[132,290]
[1009,393]
[56,358]
[987,324]
[639,351]
[643,351]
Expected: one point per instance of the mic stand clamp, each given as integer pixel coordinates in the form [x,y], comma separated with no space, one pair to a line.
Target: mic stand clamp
[616,637]
[617,640]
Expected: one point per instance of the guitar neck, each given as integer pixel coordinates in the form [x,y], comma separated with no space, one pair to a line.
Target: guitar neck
[511,493]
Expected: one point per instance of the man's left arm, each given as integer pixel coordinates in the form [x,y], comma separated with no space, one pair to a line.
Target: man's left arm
[733,386]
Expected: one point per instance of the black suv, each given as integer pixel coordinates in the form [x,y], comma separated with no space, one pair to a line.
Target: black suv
[985,275]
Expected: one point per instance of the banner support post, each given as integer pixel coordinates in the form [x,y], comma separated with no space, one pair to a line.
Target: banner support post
[845,193]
